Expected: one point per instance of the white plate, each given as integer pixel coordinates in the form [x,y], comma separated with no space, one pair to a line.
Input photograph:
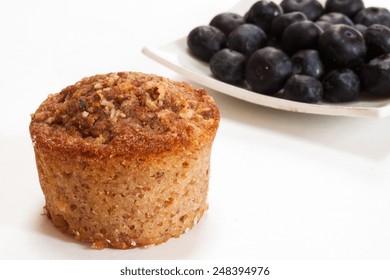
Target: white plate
[175,56]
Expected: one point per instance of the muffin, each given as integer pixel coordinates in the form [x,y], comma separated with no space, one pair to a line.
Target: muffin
[123,159]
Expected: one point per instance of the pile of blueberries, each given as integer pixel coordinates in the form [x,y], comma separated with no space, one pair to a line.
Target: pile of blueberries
[300,50]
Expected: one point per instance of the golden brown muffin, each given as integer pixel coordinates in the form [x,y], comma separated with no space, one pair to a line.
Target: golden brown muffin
[123,159]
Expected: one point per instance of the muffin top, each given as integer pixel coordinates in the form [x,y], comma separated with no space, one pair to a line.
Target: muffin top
[124,113]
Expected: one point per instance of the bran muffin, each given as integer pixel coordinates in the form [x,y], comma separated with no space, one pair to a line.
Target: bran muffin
[123,159]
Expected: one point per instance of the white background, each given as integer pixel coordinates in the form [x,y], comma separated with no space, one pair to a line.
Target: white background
[283,185]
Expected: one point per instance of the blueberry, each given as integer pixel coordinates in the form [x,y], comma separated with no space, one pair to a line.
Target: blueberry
[301,35]
[360,27]
[375,76]
[226,22]
[373,15]
[377,40]
[342,46]
[346,7]
[262,13]
[303,88]
[308,62]
[247,38]
[228,66]
[204,41]
[336,18]
[280,23]
[267,70]
[311,8]
[341,85]
[323,24]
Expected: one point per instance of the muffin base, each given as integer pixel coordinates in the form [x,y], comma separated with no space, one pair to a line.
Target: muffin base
[125,202]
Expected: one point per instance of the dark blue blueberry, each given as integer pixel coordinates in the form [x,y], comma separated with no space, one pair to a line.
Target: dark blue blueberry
[346,7]
[226,22]
[267,70]
[341,85]
[373,15]
[362,28]
[323,24]
[280,23]
[262,13]
[308,62]
[204,41]
[228,66]
[247,38]
[311,8]
[377,40]
[301,35]
[303,88]
[342,46]
[336,18]
[375,76]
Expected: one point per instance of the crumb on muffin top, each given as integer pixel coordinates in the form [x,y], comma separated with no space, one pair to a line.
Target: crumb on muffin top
[125,113]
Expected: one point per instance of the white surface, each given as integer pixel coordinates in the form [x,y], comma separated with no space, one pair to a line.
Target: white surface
[283,185]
